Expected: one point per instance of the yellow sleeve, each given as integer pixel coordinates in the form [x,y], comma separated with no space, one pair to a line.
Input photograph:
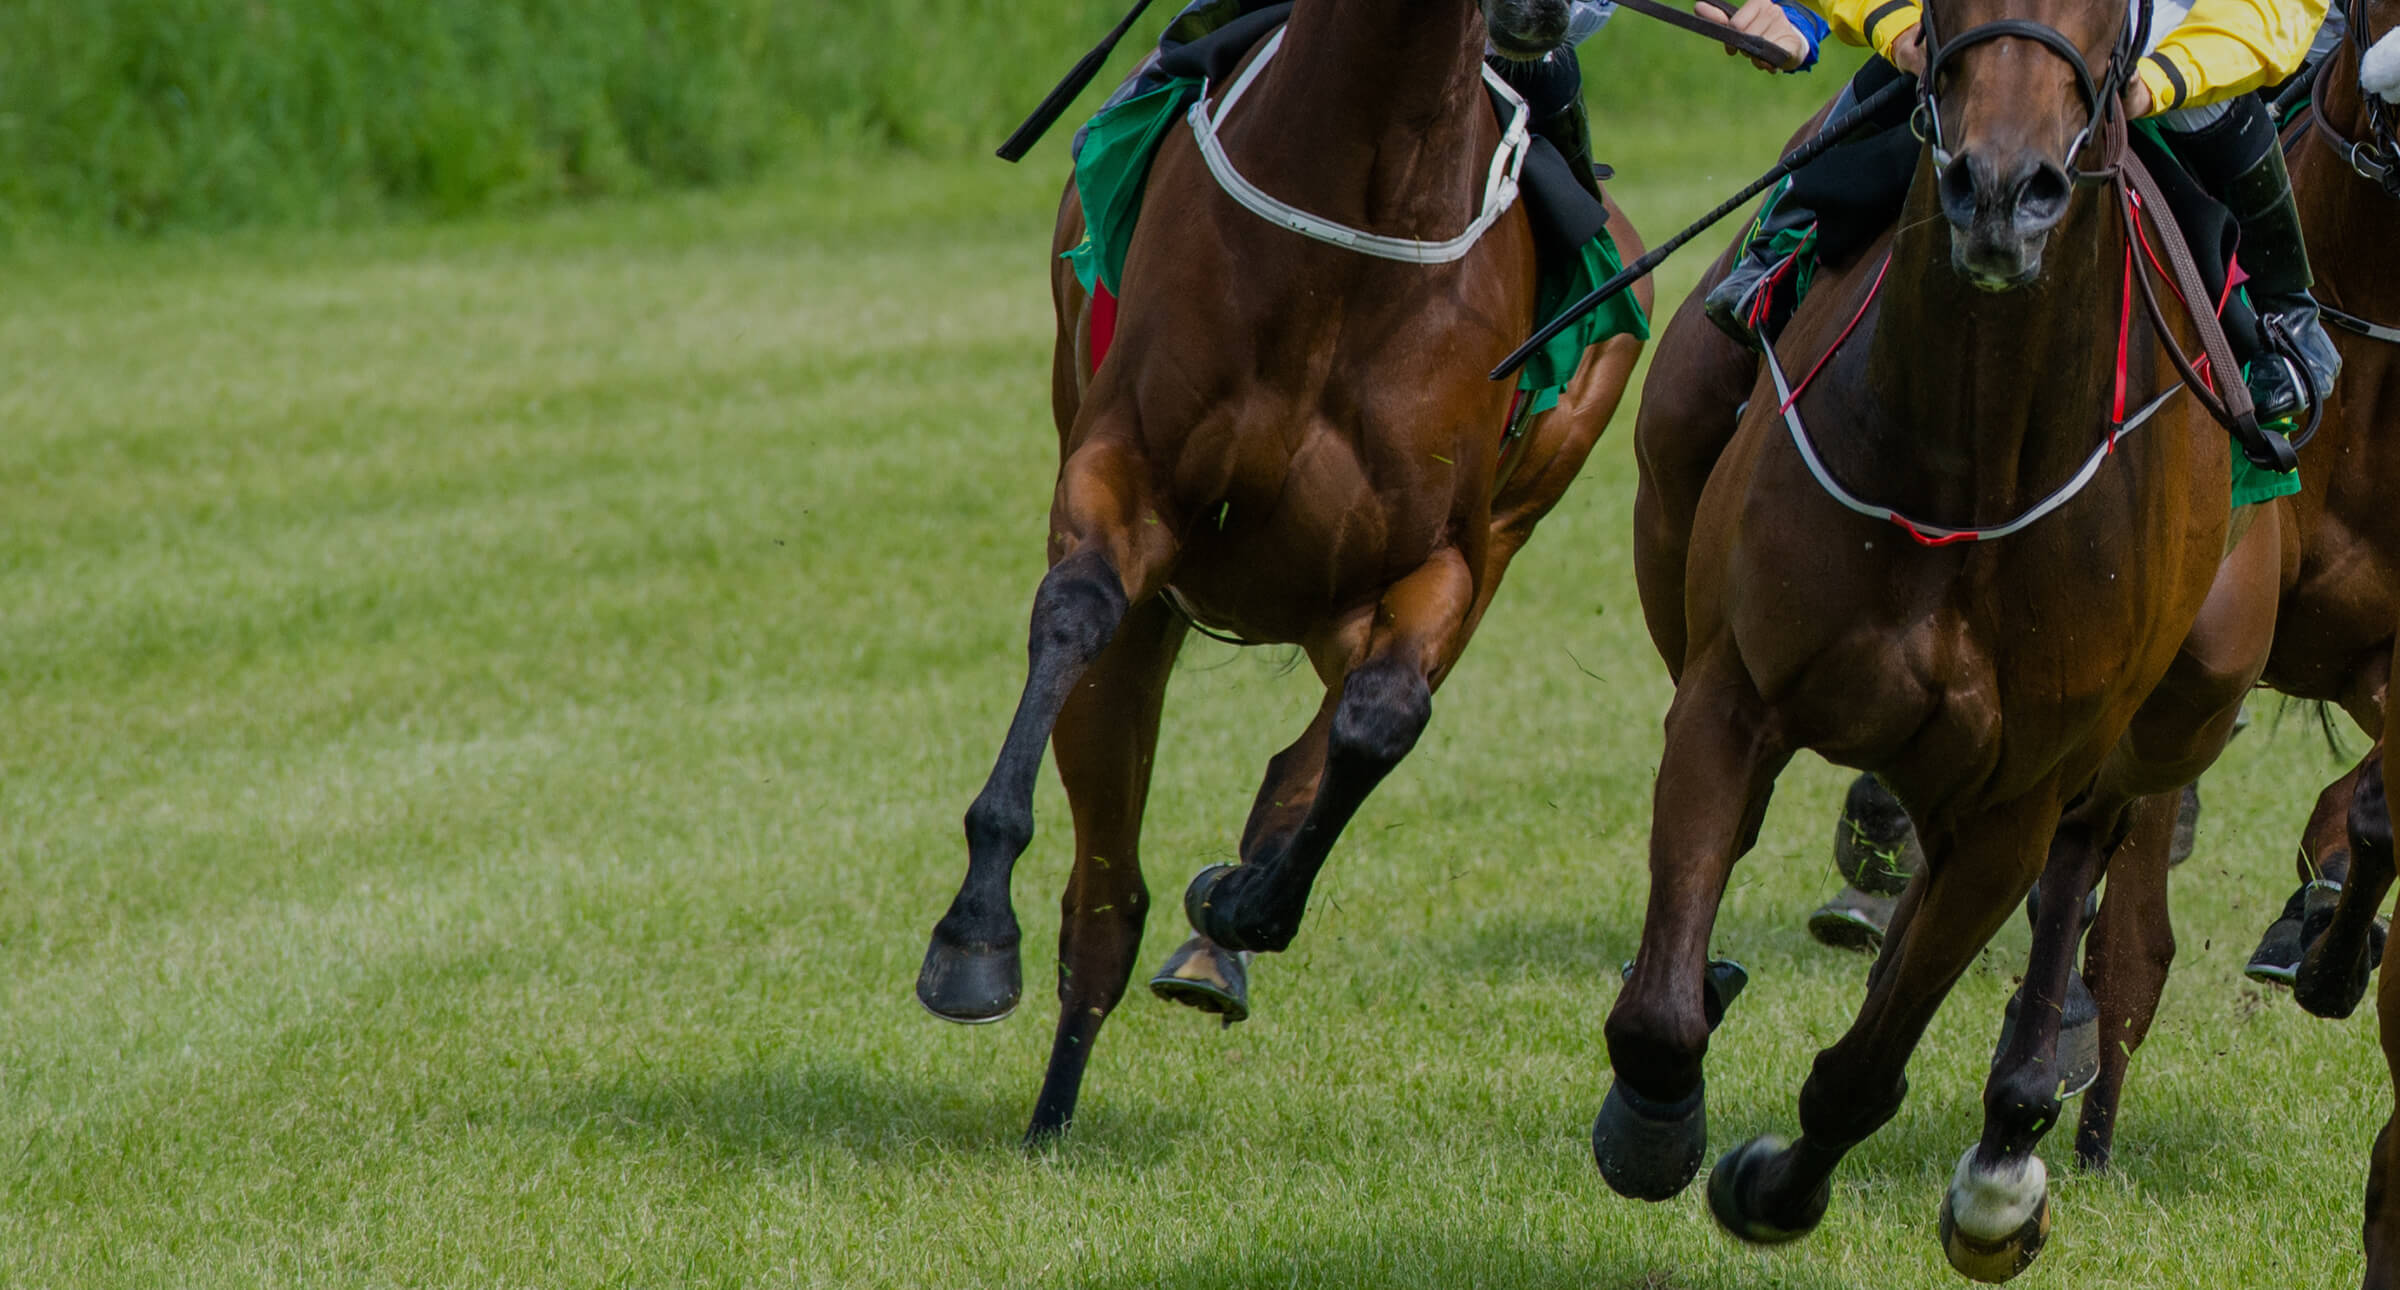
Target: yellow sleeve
[1872,23]
[2230,47]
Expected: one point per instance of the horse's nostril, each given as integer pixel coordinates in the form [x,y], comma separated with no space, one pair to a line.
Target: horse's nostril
[1957,188]
[2043,199]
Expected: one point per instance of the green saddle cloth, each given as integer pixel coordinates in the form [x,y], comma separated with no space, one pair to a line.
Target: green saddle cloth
[1115,163]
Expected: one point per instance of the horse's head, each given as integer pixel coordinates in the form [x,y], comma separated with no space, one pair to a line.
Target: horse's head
[2014,91]
[1525,29]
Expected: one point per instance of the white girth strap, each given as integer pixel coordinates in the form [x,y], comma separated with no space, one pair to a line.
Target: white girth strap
[1499,189]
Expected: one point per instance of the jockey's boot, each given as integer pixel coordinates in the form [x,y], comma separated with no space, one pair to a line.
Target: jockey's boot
[1552,88]
[1756,296]
[2239,159]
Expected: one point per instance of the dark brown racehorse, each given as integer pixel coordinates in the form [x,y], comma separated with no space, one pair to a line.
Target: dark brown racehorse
[2031,699]
[1297,443]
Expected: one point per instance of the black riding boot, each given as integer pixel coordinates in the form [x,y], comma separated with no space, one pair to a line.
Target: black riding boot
[1755,298]
[2240,161]
[1552,88]
[1858,188]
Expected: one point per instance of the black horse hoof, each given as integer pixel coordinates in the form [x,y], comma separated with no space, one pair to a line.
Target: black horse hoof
[1854,920]
[1649,1150]
[1213,904]
[971,986]
[1201,975]
[2330,989]
[1730,1202]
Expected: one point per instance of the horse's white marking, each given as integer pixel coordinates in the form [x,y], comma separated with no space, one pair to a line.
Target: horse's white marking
[1994,1204]
[2379,71]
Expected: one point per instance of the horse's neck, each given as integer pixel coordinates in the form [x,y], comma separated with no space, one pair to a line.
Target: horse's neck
[2349,218]
[1989,401]
[1372,113]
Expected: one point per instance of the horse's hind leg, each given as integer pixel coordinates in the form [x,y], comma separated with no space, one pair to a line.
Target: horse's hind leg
[1104,559]
[1106,735]
[2333,974]
[2132,946]
[1202,974]
[1386,701]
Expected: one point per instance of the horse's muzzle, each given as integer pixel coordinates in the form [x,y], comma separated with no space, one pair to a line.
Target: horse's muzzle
[2001,216]
[1525,29]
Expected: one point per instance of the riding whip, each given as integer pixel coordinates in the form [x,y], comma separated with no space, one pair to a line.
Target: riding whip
[1053,107]
[1833,133]
[1766,51]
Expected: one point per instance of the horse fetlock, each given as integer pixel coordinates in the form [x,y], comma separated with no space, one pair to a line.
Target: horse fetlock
[1650,1150]
[1995,1217]
[1224,905]
[1738,1199]
[998,828]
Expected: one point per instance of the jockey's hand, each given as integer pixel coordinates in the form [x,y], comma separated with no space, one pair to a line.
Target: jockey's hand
[1909,52]
[2138,103]
[1764,19]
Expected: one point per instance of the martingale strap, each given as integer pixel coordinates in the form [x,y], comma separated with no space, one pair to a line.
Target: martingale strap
[1499,189]
[1925,532]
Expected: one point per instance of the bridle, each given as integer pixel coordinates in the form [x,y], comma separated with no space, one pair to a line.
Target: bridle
[2102,96]
[2376,157]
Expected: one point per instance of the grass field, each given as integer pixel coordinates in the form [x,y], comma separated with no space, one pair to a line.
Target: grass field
[488,711]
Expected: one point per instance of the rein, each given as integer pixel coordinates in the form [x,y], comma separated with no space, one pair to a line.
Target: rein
[1499,189]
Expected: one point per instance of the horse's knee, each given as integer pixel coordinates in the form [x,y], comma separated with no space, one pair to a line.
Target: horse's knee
[1077,609]
[1382,712]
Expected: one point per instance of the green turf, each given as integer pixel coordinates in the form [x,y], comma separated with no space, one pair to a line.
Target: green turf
[488,711]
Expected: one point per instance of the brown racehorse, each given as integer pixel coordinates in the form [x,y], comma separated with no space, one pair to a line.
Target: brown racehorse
[2036,696]
[1298,443]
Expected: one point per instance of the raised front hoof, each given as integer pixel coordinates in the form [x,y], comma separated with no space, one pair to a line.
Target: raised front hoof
[1994,1261]
[972,987]
[1201,975]
[1215,903]
[1854,920]
[1733,1197]
[1650,1150]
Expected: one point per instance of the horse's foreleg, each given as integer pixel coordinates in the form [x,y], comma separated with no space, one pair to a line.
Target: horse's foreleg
[2132,946]
[1977,873]
[1105,558]
[1201,973]
[1106,736]
[2333,974]
[2383,1167]
[1386,701]
[1715,775]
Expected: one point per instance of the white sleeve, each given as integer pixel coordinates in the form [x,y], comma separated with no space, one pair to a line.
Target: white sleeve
[1586,17]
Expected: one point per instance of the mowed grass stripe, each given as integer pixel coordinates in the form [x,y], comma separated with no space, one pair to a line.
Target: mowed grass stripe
[488,714]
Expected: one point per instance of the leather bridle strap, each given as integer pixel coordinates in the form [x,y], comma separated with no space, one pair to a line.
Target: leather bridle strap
[2375,158]
[2100,95]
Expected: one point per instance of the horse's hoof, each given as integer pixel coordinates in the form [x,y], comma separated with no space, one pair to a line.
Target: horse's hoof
[1649,1150]
[2078,1052]
[1213,906]
[2277,959]
[1200,975]
[1875,843]
[969,986]
[1736,1176]
[2332,990]
[2016,1205]
[1853,920]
